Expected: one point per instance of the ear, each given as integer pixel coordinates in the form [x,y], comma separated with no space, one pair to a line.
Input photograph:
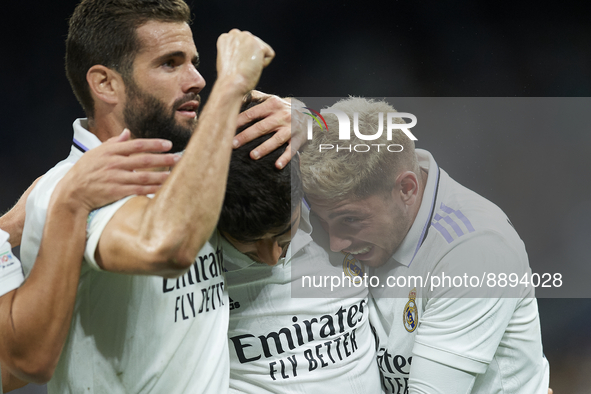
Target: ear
[407,187]
[106,85]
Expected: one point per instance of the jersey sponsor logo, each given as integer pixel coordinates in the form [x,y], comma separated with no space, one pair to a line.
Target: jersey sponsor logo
[410,317]
[207,268]
[352,267]
[187,307]
[395,370]
[333,339]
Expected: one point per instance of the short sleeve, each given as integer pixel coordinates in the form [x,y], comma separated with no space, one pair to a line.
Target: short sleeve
[11,272]
[429,377]
[96,223]
[463,333]
[462,325]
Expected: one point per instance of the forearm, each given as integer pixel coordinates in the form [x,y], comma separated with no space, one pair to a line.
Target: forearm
[174,225]
[194,192]
[162,236]
[35,318]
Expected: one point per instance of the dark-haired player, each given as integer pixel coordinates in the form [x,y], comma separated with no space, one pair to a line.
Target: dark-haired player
[279,343]
[133,64]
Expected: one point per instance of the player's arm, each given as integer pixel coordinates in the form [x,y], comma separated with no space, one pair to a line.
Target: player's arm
[276,114]
[163,235]
[443,361]
[35,318]
[13,221]
[441,379]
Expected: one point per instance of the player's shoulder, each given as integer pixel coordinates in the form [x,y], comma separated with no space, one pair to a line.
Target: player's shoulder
[41,194]
[465,223]
[36,209]
[461,213]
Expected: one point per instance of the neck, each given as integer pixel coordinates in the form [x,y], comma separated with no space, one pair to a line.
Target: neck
[105,127]
[423,175]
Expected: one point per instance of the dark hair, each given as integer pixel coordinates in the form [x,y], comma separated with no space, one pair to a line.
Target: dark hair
[259,197]
[104,32]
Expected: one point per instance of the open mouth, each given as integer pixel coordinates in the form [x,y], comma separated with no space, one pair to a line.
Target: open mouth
[361,251]
[189,108]
[362,254]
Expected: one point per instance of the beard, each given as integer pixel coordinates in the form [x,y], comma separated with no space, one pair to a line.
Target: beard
[147,117]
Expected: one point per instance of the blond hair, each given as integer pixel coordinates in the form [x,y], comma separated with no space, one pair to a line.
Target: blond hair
[344,173]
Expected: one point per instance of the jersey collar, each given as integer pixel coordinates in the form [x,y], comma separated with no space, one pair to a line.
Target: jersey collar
[84,140]
[234,260]
[302,237]
[411,244]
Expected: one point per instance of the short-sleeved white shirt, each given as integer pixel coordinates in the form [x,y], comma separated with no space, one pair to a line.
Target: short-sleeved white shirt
[282,344]
[494,332]
[11,272]
[136,333]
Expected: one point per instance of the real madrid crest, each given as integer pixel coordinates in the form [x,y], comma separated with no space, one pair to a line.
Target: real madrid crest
[411,312]
[352,267]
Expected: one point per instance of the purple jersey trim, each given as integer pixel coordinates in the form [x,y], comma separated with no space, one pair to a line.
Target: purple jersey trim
[79,145]
[443,232]
[428,223]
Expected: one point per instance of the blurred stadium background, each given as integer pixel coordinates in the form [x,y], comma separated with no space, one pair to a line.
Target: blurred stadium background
[537,171]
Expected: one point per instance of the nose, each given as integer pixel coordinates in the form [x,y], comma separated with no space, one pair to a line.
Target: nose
[337,242]
[268,251]
[193,80]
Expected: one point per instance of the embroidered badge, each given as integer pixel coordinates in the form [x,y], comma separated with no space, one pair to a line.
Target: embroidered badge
[411,312]
[352,267]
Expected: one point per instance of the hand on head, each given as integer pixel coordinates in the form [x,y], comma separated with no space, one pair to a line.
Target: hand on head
[276,114]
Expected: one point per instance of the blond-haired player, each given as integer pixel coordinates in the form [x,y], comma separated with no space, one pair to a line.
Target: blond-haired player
[397,212]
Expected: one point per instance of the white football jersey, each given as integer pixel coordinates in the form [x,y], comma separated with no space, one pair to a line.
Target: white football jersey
[11,272]
[283,344]
[136,333]
[470,323]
